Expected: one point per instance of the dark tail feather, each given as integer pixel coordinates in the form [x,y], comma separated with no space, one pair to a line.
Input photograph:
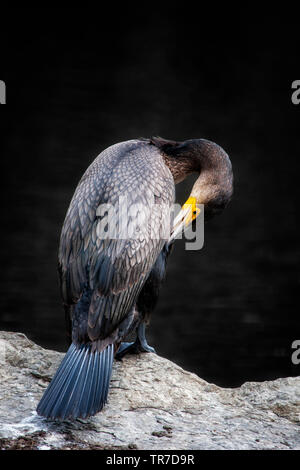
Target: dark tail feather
[80,386]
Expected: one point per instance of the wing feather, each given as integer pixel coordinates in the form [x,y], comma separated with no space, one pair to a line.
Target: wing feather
[114,269]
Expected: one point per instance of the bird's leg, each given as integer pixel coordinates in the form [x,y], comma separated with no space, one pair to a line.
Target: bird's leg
[141,339]
[124,349]
[136,347]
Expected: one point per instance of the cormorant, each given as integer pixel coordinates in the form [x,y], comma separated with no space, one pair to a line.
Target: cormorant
[109,285]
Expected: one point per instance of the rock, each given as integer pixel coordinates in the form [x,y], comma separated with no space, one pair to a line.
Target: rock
[153,404]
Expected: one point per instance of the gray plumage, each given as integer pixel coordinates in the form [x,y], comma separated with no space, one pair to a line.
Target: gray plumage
[101,278]
[110,284]
[114,269]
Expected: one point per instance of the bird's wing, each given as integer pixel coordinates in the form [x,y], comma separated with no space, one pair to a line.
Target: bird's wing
[115,266]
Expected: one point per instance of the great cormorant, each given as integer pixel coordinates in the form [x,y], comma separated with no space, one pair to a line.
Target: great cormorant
[109,285]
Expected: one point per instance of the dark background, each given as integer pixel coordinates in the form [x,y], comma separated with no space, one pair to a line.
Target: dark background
[81,80]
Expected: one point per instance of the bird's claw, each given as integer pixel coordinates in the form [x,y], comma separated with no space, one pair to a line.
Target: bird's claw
[144,347]
[133,348]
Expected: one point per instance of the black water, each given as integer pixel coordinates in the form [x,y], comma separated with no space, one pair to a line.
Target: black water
[229,312]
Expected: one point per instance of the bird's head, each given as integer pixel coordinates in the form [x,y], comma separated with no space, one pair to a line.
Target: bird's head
[214,185]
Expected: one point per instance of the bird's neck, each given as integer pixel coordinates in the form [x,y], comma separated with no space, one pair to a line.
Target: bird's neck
[181,167]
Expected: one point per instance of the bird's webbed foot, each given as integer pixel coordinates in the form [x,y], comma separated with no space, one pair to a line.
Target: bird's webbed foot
[141,339]
[138,346]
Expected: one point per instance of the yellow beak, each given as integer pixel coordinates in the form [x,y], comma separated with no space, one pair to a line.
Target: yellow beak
[184,218]
[193,210]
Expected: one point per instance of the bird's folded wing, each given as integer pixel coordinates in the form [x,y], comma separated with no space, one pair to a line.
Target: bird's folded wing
[115,264]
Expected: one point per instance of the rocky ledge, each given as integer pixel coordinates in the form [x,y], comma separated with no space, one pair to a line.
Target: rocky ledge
[153,404]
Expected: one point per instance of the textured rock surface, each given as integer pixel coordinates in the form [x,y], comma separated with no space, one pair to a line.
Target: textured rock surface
[153,404]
